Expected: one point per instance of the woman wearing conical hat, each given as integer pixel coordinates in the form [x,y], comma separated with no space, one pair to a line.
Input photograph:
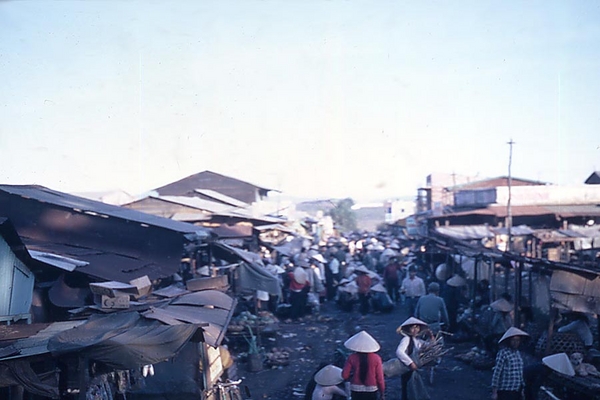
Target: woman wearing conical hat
[507,380]
[328,378]
[535,374]
[408,349]
[501,321]
[298,290]
[364,368]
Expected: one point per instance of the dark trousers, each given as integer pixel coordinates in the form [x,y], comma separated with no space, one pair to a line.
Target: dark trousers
[404,378]
[411,304]
[298,304]
[363,298]
[364,395]
[509,395]
[392,289]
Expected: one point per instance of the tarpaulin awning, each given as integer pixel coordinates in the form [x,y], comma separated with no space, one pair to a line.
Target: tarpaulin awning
[252,273]
[19,372]
[258,278]
[292,247]
[123,340]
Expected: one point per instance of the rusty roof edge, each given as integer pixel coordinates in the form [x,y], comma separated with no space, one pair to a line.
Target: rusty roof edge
[219,339]
[495,253]
[91,207]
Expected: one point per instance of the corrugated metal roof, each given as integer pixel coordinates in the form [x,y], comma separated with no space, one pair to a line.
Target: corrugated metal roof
[195,202]
[207,298]
[465,232]
[91,207]
[105,265]
[564,211]
[222,198]
[277,227]
[233,231]
[65,263]
[520,230]
[170,291]
[191,217]
[232,187]
[38,343]
[495,182]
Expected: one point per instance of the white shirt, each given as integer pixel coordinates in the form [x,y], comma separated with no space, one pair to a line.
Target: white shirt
[413,287]
[334,266]
[401,349]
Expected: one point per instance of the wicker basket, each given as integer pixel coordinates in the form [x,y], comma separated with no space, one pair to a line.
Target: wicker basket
[561,343]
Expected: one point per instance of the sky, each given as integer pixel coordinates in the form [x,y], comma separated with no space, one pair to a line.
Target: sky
[316,99]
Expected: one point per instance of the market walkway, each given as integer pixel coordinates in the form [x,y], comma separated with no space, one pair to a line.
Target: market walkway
[317,340]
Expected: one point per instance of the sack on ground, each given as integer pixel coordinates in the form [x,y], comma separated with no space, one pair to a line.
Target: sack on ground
[312,299]
[394,367]
[416,389]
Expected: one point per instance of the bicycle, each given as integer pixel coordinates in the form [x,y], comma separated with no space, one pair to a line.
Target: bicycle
[229,390]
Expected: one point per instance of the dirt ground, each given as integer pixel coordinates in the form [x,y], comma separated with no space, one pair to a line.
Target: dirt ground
[317,338]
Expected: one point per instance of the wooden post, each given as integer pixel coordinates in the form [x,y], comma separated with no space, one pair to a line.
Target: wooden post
[16,392]
[84,377]
[474,292]
[518,290]
[506,278]
[553,312]
[493,282]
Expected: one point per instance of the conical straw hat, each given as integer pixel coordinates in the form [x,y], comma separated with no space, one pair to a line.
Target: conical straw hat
[501,305]
[361,268]
[456,281]
[300,275]
[362,342]
[329,375]
[379,288]
[512,331]
[560,363]
[441,272]
[409,322]
[319,258]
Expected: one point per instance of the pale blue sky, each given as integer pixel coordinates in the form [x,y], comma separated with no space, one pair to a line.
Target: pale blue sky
[315,98]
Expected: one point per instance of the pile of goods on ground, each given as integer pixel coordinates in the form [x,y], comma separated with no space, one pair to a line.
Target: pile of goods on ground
[245,319]
[478,359]
[278,357]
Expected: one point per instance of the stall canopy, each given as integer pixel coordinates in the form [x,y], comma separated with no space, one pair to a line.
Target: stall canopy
[123,340]
[252,273]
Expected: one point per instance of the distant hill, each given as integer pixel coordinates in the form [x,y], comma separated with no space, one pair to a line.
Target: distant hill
[368,218]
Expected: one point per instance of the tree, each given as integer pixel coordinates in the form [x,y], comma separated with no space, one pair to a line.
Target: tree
[343,215]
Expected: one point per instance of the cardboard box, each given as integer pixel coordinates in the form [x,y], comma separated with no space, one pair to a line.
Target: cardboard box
[143,285]
[112,288]
[114,302]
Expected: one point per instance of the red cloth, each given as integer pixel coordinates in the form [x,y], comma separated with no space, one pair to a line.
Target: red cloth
[294,285]
[390,273]
[374,373]
[363,281]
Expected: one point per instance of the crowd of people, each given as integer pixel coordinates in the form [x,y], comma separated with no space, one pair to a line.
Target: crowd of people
[365,276]
[362,376]
[378,276]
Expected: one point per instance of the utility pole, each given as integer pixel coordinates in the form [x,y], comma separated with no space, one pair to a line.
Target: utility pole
[508,206]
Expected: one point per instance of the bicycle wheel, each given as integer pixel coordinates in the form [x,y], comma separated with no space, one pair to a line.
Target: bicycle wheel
[234,394]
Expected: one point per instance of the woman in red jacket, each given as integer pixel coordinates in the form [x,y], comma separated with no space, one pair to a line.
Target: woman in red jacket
[364,368]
